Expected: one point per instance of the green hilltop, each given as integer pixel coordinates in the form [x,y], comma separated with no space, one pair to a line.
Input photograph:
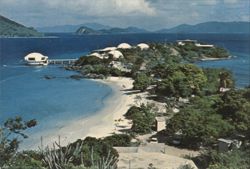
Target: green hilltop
[9,28]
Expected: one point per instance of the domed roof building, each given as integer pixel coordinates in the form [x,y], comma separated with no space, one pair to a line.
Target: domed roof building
[109,49]
[124,46]
[143,46]
[116,54]
[96,55]
[36,59]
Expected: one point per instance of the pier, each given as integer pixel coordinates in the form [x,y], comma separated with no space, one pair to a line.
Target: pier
[62,61]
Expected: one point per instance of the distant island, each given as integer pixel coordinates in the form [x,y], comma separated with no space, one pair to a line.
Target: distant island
[211,27]
[96,28]
[9,28]
[88,31]
[71,28]
[207,27]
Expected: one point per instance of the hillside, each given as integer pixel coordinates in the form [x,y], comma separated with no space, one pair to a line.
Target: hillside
[72,28]
[123,30]
[87,31]
[9,28]
[211,27]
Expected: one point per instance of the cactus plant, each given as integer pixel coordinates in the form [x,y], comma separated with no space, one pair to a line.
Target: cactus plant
[58,157]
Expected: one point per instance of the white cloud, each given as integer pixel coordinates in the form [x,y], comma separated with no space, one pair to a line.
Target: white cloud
[245,18]
[209,2]
[195,15]
[151,14]
[231,1]
[105,7]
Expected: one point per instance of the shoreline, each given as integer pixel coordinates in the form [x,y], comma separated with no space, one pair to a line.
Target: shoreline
[214,59]
[101,124]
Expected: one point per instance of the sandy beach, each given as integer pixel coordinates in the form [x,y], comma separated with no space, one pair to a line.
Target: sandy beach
[115,107]
[103,123]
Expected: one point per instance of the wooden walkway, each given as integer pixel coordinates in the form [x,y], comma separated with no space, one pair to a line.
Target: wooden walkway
[62,61]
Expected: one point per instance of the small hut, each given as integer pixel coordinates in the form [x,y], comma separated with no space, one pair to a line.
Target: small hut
[160,123]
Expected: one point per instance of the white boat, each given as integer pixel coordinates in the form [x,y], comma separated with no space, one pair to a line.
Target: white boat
[36,59]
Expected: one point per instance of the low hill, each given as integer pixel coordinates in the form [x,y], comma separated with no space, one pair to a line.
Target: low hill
[87,31]
[9,28]
[211,27]
[72,28]
[123,30]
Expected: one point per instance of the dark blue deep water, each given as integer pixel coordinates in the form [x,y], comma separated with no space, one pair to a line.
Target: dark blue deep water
[25,92]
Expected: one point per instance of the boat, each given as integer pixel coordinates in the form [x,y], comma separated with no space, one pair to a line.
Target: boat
[36,59]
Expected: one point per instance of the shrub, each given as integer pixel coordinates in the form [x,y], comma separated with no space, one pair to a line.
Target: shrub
[118,140]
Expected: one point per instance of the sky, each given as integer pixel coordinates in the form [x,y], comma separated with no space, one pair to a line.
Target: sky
[148,14]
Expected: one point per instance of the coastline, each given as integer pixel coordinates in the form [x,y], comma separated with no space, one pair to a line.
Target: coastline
[102,123]
[214,59]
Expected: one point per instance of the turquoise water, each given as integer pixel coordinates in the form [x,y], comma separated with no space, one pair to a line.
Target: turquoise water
[25,92]
[53,103]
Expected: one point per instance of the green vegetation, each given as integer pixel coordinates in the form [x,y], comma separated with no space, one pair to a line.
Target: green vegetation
[180,80]
[9,28]
[163,70]
[235,108]
[208,118]
[166,67]
[199,123]
[235,159]
[217,78]
[11,134]
[143,118]
[93,66]
[142,81]
[88,153]
[92,148]
[191,53]
[118,140]
[81,154]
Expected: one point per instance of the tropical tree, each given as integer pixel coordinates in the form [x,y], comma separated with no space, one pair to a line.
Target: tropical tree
[235,108]
[199,123]
[143,118]
[181,80]
[226,80]
[142,81]
[233,159]
[11,134]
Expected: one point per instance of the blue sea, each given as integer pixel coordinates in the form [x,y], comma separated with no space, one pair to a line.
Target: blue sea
[25,92]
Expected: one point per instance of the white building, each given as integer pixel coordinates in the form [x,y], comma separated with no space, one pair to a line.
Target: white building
[109,49]
[203,46]
[116,54]
[124,46]
[36,59]
[96,55]
[160,123]
[143,46]
[183,42]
